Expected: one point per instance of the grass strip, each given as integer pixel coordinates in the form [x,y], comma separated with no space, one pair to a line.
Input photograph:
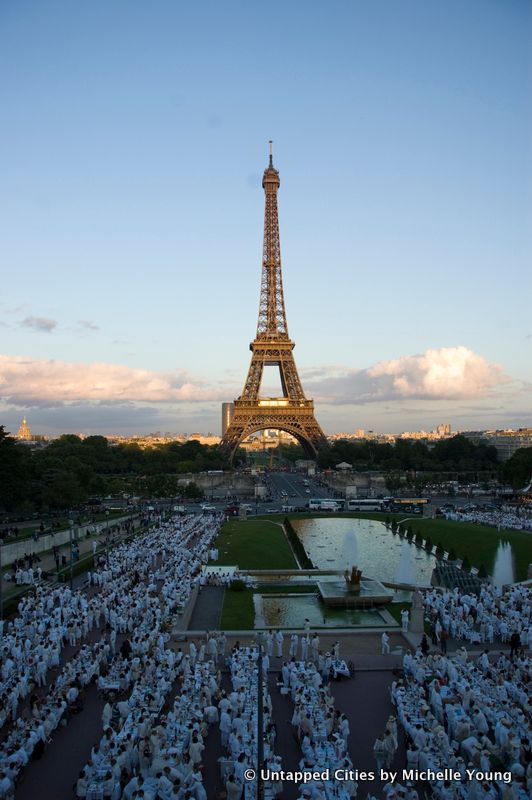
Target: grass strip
[254,544]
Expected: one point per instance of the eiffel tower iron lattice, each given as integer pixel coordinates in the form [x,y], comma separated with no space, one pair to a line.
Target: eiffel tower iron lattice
[272,346]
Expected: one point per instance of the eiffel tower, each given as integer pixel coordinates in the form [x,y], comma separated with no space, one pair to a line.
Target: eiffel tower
[293,412]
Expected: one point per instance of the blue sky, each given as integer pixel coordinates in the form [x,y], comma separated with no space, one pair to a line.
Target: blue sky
[134,136]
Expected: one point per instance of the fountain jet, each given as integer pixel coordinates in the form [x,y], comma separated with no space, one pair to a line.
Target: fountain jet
[503,569]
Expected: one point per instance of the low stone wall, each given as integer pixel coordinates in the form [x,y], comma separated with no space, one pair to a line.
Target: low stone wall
[183,621]
[13,550]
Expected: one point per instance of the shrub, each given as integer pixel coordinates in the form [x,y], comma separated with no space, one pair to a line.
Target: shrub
[466,564]
[237,585]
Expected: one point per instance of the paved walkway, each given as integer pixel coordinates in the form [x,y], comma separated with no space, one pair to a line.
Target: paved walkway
[53,776]
[208,609]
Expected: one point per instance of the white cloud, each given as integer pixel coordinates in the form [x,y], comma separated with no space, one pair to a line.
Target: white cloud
[28,381]
[448,373]
[41,324]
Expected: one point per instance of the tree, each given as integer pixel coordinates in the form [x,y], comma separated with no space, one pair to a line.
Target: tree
[192,490]
[393,482]
[517,471]
[14,471]
[63,491]
[466,564]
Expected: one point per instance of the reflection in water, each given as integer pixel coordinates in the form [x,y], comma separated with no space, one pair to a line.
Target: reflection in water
[350,550]
[378,550]
[291,612]
[405,573]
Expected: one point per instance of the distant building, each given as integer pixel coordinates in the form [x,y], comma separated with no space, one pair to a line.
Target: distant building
[24,432]
[442,431]
[145,441]
[475,437]
[508,441]
[204,439]
[25,435]
[268,439]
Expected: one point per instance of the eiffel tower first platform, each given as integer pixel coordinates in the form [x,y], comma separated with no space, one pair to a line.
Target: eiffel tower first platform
[293,412]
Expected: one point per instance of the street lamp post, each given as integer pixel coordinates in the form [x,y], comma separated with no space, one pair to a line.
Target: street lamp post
[107,537]
[71,530]
[260,723]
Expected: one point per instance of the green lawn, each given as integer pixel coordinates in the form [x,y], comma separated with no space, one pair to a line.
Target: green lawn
[238,613]
[478,542]
[254,544]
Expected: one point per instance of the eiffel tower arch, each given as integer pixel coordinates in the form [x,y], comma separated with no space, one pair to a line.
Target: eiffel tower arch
[292,413]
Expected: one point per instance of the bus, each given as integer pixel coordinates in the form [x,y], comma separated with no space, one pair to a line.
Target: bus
[325,504]
[367,504]
[407,505]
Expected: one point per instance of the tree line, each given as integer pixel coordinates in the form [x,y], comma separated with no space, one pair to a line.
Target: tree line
[457,456]
[70,469]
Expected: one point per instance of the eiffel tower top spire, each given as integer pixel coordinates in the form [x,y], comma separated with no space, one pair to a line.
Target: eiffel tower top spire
[272,315]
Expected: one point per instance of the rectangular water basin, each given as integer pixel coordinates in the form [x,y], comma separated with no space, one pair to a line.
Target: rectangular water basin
[291,611]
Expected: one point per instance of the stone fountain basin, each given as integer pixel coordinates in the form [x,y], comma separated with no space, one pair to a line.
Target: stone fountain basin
[339,593]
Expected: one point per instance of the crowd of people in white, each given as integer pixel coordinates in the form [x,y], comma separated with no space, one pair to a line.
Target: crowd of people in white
[239,724]
[456,711]
[322,730]
[469,714]
[493,615]
[505,517]
[136,592]
[462,713]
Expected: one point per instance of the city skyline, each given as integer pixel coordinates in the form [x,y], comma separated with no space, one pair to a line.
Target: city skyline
[132,216]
